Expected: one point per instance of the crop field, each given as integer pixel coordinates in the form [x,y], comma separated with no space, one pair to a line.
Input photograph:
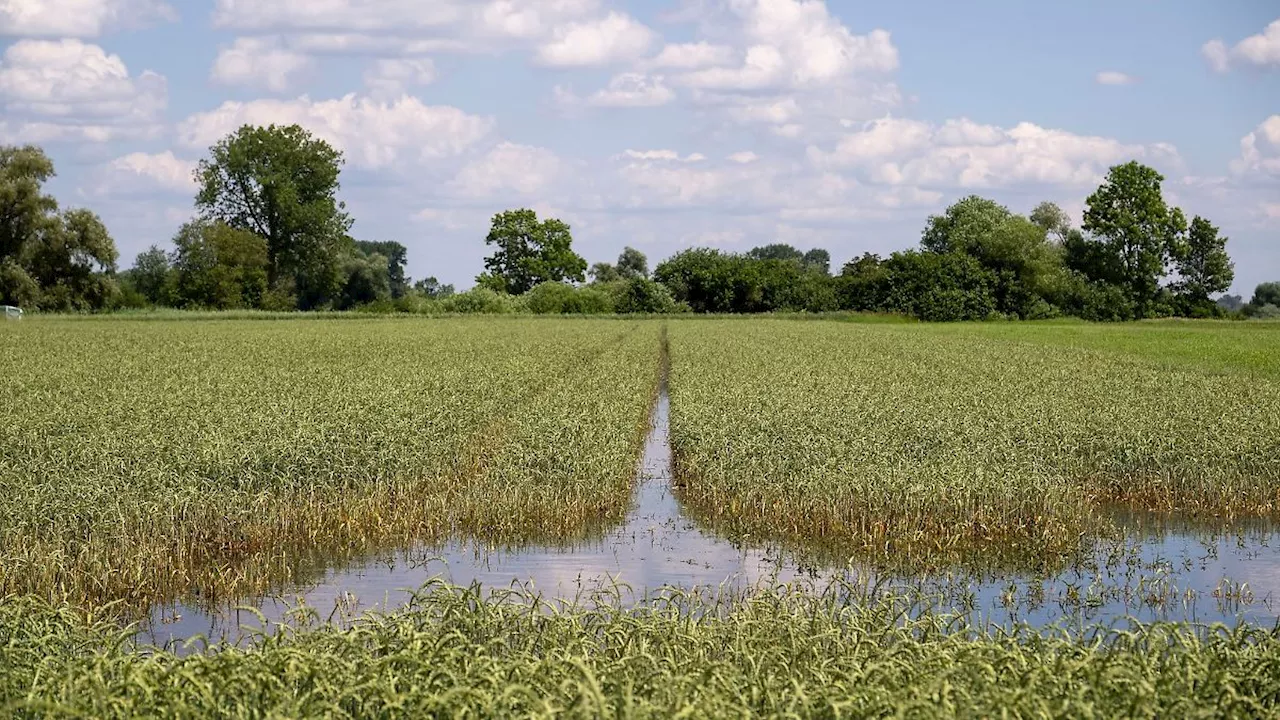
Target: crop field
[146,460]
[212,460]
[789,652]
[990,444]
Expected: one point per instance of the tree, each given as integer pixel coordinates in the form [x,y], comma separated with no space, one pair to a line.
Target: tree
[51,260]
[1053,220]
[777,251]
[432,288]
[818,260]
[219,267]
[632,264]
[1265,302]
[1202,263]
[281,184]
[368,279]
[963,225]
[151,275]
[530,252]
[1138,231]
[397,256]
[603,272]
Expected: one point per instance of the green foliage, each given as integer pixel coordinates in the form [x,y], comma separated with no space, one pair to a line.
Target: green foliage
[1053,220]
[557,298]
[397,256]
[939,287]
[1137,232]
[604,273]
[713,282]
[281,184]
[50,260]
[1265,302]
[432,288]
[152,276]
[1203,266]
[641,295]
[483,300]
[964,226]
[219,267]
[785,652]
[368,279]
[632,264]
[529,252]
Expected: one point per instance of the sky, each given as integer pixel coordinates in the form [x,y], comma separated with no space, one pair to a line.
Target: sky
[659,124]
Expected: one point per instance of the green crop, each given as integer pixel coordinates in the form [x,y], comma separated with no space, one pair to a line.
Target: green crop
[779,652]
[927,444]
[140,461]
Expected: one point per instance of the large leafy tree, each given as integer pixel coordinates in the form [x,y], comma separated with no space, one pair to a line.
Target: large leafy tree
[218,266]
[396,255]
[55,261]
[964,225]
[281,183]
[1137,230]
[528,252]
[151,275]
[1202,263]
[632,264]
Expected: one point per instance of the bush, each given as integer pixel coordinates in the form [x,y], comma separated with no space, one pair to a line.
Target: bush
[642,296]
[483,300]
[556,298]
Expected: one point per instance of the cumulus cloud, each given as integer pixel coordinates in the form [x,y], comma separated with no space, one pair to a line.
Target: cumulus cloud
[393,77]
[70,90]
[373,134]
[509,168]
[259,62]
[145,173]
[692,56]
[632,90]
[1260,150]
[1114,77]
[744,157]
[78,18]
[1261,50]
[615,38]
[964,154]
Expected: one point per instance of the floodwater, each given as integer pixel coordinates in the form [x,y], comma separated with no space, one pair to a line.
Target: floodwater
[1176,573]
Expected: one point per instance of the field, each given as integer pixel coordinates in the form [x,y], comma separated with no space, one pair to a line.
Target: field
[984,444]
[141,461]
[212,460]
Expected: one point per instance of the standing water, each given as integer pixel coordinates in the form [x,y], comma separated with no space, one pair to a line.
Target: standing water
[1177,573]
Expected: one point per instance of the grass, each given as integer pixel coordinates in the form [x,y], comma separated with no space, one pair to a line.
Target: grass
[1001,444]
[140,461]
[779,652]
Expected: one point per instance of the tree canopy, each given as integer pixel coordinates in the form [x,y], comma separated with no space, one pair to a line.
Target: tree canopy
[528,253]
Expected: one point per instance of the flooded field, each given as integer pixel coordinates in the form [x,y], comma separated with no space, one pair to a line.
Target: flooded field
[1156,570]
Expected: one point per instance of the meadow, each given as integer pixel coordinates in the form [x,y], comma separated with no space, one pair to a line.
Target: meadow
[141,461]
[214,459]
[998,443]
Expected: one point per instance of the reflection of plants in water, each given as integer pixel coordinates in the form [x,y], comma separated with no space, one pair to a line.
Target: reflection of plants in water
[845,649]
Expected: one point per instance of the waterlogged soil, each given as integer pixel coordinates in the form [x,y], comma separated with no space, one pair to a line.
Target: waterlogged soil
[1160,570]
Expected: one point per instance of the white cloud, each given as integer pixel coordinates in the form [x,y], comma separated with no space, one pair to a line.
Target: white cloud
[68,90]
[1260,150]
[146,173]
[373,134]
[692,56]
[1113,77]
[632,90]
[335,15]
[967,155]
[77,18]
[1270,210]
[509,167]
[660,155]
[1261,50]
[259,62]
[743,158]
[1215,52]
[391,78]
[614,38]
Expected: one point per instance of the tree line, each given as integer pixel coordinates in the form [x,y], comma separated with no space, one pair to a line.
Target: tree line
[268,232]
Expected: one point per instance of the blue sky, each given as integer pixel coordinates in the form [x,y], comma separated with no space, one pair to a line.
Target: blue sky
[661,124]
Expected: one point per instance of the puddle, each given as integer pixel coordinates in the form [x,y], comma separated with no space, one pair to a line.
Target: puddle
[1178,575]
